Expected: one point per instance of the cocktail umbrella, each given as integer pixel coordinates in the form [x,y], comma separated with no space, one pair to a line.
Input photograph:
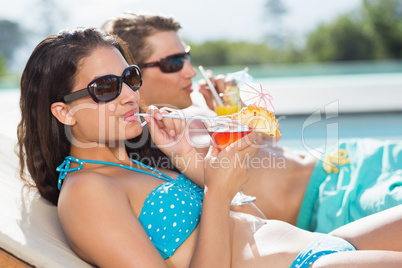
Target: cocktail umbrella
[255,94]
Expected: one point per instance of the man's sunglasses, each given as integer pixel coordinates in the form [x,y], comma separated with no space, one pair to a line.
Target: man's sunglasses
[107,88]
[170,64]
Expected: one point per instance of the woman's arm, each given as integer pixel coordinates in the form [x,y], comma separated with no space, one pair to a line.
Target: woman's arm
[222,182]
[213,245]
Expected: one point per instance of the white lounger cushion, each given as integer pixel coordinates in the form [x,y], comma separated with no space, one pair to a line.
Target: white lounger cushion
[29,225]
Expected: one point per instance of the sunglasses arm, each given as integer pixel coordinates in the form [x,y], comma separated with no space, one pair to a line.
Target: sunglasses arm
[76,95]
[151,64]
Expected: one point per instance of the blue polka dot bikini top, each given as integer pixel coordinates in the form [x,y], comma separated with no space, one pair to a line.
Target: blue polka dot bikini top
[170,212]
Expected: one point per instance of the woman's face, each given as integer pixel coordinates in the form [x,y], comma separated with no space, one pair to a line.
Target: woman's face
[166,89]
[104,123]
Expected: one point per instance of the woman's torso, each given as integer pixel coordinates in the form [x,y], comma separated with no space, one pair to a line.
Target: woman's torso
[249,234]
[255,243]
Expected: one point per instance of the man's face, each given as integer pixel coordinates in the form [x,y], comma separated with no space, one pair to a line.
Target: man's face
[166,89]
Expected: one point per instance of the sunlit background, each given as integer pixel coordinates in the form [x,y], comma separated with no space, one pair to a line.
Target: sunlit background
[334,64]
[254,21]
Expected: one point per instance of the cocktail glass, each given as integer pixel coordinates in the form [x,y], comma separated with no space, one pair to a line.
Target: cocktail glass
[230,101]
[223,132]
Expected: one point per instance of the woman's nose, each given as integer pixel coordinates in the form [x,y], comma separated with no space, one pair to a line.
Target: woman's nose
[128,95]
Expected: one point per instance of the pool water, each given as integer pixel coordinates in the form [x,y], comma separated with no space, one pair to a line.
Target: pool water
[316,130]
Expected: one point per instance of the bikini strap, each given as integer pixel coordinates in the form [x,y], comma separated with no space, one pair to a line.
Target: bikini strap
[64,168]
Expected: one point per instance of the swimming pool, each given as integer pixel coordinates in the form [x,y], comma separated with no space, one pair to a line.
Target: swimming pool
[318,110]
[311,131]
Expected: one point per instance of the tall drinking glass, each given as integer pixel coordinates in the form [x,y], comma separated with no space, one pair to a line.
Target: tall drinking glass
[230,101]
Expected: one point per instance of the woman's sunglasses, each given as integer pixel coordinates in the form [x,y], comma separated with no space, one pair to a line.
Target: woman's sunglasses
[108,87]
[170,64]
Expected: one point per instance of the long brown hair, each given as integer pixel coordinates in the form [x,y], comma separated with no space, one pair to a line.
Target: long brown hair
[48,76]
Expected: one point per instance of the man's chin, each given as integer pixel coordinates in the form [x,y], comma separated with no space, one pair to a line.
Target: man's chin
[186,105]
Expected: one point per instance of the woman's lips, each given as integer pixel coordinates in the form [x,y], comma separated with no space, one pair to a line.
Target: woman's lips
[130,117]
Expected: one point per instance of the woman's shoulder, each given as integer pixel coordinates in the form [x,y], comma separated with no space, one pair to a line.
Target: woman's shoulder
[86,180]
[88,186]
[90,204]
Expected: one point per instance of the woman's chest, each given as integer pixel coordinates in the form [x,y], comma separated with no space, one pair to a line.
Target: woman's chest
[152,196]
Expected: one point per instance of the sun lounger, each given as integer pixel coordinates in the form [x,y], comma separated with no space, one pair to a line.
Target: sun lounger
[29,226]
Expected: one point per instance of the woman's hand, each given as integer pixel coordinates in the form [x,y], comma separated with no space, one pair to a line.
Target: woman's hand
[227,171]
[172,138]
[169,134]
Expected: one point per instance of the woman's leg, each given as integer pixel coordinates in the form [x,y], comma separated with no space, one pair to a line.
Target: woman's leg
[380,231]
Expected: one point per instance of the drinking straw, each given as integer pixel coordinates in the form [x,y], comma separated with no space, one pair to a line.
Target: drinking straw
[224,118]
[213,89]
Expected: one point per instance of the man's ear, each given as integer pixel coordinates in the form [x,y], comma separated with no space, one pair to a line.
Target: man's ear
[61,111]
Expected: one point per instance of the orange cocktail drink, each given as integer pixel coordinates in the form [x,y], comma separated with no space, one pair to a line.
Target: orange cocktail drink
[225,132]
[230,102]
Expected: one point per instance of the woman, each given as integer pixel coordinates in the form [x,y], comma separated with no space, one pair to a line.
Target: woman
[289,186]
[79,96]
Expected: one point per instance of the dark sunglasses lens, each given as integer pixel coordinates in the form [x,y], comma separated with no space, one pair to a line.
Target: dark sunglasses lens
[105,89]
[173,64]
[132,76]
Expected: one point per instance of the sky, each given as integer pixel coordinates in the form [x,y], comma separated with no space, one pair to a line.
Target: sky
[201,20]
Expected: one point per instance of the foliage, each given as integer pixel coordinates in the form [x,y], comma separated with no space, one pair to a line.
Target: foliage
[221,52]
[383,19]
[342,40]
[275,8]
[3,69]
[11,38]
[374,32]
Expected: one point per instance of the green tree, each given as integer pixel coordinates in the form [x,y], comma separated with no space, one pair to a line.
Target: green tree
[3,69]
[373,32]
[275,10]
[245,53]
[210,53]
[290,53]
[342,40]
[383,20]
[11,38]
[218,53]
